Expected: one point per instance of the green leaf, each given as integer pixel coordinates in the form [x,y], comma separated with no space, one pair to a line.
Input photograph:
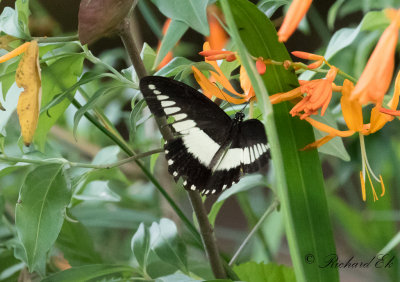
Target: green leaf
[335,147]
[148,56]
[175,31]
[300,184]
[176,277]
[9,24]
[182,67]
[271,272]
[77,245]
[247,183]
[95,272]
[22,7]
[90,104]
[191,12]
[8,78]
[60,75]
[165,242]
[140,245]
[9,266]
[269,7]
[134,117]
[98,191]
[39,212]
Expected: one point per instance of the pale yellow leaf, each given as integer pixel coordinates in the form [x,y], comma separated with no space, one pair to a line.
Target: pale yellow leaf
[28,77]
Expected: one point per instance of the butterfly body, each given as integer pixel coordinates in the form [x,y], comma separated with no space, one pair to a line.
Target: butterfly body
[210,151]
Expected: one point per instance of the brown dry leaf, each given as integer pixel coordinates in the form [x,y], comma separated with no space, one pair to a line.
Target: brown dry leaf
[28,77]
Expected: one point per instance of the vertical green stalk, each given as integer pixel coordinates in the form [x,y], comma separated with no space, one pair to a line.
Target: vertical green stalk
[300,184]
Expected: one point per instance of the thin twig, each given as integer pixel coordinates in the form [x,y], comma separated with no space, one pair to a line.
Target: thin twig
[76,164]
[270,209]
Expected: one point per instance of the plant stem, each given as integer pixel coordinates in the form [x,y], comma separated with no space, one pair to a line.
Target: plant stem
[63,39]
[270,209]
[76,164]
[207,233]
[208,236]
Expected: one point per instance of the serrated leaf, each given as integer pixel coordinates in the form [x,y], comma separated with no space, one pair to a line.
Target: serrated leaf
[60,75]
[140,245]
[259,272]
[77,245]
[175,31]
[94,272]
[165,242]
[40,212]
[191,12]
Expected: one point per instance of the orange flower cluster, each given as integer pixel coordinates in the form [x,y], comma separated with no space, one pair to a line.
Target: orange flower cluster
[373,84]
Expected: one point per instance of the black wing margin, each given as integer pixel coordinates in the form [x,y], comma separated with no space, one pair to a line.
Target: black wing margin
[254,143]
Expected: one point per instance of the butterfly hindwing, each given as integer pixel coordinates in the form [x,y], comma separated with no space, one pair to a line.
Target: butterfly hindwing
[254,145]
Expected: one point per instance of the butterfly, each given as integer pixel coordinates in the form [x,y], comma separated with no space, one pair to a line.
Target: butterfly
[209,151]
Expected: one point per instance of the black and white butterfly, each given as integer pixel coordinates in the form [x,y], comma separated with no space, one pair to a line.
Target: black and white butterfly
[210,150]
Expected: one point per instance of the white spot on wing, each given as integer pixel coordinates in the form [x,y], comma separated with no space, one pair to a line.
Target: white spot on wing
[184,183]
[192,187]
[213,191]
[167,103]
[208,191]
[162,97]
[256,153]
[170,162]
[175,174]
[179,116]
[184,125]
[224,187]
[166,151]
[156,92]
[251,155]
[171,110]
[246,155]
[260,150]
[152,86]
[200,145]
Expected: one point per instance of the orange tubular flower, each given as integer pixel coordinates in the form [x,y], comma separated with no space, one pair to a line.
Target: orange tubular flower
[210,89]
[319,94]
[169,55]
[376,77]
[218,36]
[352,113]
[296,12]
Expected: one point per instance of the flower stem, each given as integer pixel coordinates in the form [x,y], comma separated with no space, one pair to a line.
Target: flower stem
[64,39]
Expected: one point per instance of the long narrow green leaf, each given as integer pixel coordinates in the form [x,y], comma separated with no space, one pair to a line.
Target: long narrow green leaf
[299,176]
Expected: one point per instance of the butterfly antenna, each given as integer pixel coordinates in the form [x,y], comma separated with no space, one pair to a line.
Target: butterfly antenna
[245,105]
[223,94]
